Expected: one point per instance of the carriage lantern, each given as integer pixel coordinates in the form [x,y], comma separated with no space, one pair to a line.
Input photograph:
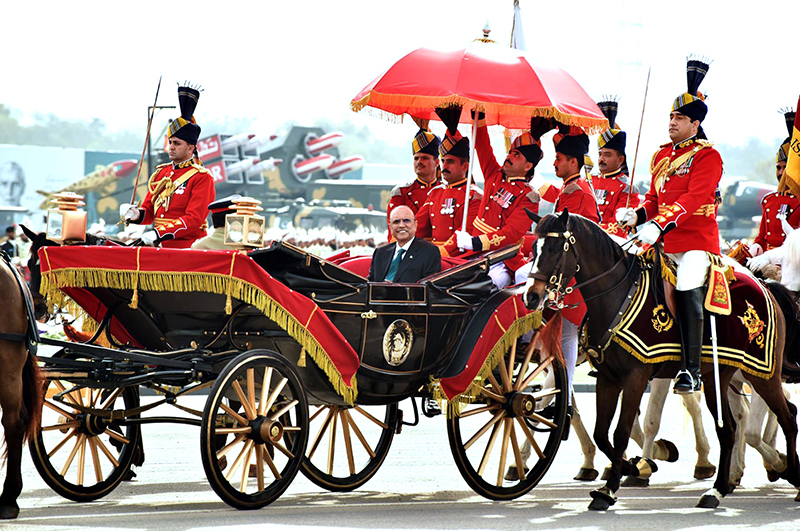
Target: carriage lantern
[65,223]
[245,228]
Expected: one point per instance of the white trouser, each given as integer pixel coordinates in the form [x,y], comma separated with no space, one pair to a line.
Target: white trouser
[500,275]
[569,346]
[692,269]
[521,274]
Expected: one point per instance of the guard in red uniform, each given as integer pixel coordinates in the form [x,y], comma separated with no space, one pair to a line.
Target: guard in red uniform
[682,208]
[501,219]
[426,165]
[577,197]
[778,207]
[612,187]
[443,211]
[178,194]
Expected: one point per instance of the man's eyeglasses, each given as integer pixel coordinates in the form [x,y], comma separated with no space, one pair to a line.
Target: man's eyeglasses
[405,221]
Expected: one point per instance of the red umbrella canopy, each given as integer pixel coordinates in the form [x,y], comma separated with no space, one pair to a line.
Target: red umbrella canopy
[500,81]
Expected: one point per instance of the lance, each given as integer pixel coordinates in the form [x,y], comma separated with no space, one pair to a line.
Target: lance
[146,141]
[639,137]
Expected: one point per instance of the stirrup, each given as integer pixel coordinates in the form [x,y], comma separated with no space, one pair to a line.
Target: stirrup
[685,383]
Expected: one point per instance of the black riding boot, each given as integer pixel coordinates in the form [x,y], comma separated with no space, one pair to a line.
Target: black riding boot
[690,317]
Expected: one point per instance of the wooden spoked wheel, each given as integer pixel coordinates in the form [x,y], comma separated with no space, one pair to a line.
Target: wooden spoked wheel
[491,433]
[80,452]
[252,452]
[347,445]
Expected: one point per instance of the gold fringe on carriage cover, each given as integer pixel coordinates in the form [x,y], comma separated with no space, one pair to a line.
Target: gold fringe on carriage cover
[193,281]
[520,326]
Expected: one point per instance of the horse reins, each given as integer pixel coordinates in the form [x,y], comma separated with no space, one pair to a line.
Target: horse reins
[554,283]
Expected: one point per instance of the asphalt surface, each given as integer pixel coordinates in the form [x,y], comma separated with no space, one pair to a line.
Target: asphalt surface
[418,487]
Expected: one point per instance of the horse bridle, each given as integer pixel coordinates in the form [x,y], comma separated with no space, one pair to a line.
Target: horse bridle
[554,285]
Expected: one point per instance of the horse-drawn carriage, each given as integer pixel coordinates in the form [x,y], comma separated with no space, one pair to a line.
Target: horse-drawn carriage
[276,332]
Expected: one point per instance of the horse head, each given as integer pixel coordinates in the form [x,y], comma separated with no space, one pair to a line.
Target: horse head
[39,240]
[556,261]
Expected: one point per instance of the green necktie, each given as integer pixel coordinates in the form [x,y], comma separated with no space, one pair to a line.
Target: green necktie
[395,265]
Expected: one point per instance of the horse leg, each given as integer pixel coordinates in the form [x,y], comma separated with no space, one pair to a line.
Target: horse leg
[774,461]
[636,383]
[703,468]
[587,471]
[740,409]
[725,434]
[13,425]
[606,396]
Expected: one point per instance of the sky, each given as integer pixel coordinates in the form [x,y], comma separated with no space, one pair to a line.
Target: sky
[301,60]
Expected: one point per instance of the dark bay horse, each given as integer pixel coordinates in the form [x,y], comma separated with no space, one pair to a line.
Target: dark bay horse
[571,246]
[21,391]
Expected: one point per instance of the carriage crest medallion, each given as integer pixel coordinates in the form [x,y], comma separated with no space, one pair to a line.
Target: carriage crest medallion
[397,341]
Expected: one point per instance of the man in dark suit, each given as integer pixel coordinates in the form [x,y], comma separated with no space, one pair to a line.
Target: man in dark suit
[407,259]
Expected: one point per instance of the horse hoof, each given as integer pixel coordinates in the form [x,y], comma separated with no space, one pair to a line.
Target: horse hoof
[708,501]
[586,474]
[512,474]
[669,448]
[704,472]
[773,476]
[602,499]
[797,498]
[606,473]
[633,481]
[9,512]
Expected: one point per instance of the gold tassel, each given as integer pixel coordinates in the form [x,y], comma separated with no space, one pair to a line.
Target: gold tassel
[301,362]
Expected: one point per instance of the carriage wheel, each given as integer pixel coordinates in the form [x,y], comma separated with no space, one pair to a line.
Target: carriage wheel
[490,433]
[84,456]
[348,445]
[265,439]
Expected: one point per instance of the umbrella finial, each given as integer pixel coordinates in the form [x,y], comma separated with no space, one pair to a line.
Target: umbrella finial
[486,29]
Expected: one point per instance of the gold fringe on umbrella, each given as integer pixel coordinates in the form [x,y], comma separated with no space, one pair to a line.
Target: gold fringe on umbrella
[219,284]
[366,104]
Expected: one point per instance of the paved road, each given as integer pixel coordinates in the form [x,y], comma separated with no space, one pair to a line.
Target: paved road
[418,487]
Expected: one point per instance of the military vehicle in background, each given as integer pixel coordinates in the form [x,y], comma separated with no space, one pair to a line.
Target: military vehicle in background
[300,177]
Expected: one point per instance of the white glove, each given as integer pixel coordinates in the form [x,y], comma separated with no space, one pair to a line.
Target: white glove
[463,240]
[755,249]
[773,256]
[649,234]
[626,217]
[149,238]
[128,213]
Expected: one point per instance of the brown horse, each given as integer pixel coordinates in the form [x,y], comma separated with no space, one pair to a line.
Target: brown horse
[21,391]
[574,247]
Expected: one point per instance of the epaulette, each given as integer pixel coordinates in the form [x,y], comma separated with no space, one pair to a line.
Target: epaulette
[397,190]
[533,196]
[474,188]
[162,165]
[199,168]
[571,187]
[705,143]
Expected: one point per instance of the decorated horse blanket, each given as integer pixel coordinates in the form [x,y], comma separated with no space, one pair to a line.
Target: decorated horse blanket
[746,337]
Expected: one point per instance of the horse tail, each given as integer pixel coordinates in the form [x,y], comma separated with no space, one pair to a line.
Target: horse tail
[791,350]
[32,397]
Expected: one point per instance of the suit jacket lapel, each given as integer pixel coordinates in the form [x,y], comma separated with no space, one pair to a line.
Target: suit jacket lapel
[389,256]
[408,258]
